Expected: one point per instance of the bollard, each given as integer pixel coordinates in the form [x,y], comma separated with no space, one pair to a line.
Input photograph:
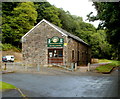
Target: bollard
[5,66]
[25,66]
[72,66]
[13,66]
[88,66]
[38,67]
[0,65]
[75,66]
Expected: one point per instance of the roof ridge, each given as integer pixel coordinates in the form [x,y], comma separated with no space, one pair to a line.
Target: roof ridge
[62,31]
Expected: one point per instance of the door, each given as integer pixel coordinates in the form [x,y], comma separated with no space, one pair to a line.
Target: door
[55,56]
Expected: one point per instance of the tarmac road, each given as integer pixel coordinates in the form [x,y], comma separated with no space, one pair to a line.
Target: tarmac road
[37,85]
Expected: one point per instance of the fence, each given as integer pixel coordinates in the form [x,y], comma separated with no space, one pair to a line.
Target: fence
[26,67]
[72,67]
[13,66]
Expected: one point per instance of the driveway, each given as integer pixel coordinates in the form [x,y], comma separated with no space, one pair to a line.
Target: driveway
[38,85]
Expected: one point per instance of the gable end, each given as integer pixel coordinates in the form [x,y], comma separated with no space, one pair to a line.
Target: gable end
[39,24]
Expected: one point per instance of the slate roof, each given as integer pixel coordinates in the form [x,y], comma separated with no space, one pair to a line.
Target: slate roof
[69,34]
[64,32]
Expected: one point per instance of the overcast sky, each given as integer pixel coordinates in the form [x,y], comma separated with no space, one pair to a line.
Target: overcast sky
[76,7]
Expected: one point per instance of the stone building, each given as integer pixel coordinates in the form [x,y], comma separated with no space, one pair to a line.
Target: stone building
[48,44]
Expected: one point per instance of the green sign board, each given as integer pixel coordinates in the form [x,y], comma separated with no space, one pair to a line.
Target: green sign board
[55,42]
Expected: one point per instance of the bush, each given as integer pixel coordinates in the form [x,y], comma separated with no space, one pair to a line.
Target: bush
[7,47]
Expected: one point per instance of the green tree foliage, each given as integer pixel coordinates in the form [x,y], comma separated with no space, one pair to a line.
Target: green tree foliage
[48,12]
[85,30]
[99,45]
[17,21]
[0,21]
[41,6]
[51,13]
[109,14]
[67,21]
[8,47]
[7,8]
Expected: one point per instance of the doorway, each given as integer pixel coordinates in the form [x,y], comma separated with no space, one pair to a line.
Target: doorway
[55,56]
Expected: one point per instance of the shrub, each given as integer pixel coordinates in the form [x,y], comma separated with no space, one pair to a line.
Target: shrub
[7,47]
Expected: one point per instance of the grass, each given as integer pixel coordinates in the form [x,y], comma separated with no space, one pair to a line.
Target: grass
[104,69]
[104,60]
[4,85]
[108,67]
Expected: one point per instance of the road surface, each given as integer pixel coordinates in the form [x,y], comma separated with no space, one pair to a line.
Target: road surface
[38,85]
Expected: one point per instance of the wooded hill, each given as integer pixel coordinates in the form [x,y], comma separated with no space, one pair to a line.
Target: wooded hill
[19,17]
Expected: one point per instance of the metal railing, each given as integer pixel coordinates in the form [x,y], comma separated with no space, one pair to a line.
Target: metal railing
[70,68]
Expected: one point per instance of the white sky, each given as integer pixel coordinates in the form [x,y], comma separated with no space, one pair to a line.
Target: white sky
[76,7]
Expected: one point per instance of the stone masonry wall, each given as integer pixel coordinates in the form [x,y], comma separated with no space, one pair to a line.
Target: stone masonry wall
[80,49]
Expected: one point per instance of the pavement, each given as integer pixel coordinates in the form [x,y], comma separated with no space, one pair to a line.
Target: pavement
[16,67]
[64,84]
[11,93]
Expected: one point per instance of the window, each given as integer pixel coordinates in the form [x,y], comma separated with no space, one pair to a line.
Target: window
[78,55]
[55,52]
[60,53]
[73,55]
[50,53]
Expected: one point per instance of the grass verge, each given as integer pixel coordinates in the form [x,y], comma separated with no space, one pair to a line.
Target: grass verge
[4,85]
[7,86]
[108,67]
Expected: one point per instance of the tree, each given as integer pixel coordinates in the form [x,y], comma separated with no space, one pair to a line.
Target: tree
[20,21]
[99,45]
[7,8]
[85,30]
[40,7]
[0,21]
[51,14]
[67,21]
[48,12]
[109,13]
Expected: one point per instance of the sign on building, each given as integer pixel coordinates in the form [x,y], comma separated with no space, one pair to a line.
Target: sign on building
[55,42]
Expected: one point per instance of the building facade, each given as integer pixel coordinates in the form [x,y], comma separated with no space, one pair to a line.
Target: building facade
[47,44]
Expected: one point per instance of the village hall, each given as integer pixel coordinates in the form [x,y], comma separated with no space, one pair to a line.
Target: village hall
[48,44]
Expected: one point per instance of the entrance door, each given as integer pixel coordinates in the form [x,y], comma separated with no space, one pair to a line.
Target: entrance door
[55,56]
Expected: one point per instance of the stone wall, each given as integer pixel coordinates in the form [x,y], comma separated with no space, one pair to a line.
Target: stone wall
[79,48]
